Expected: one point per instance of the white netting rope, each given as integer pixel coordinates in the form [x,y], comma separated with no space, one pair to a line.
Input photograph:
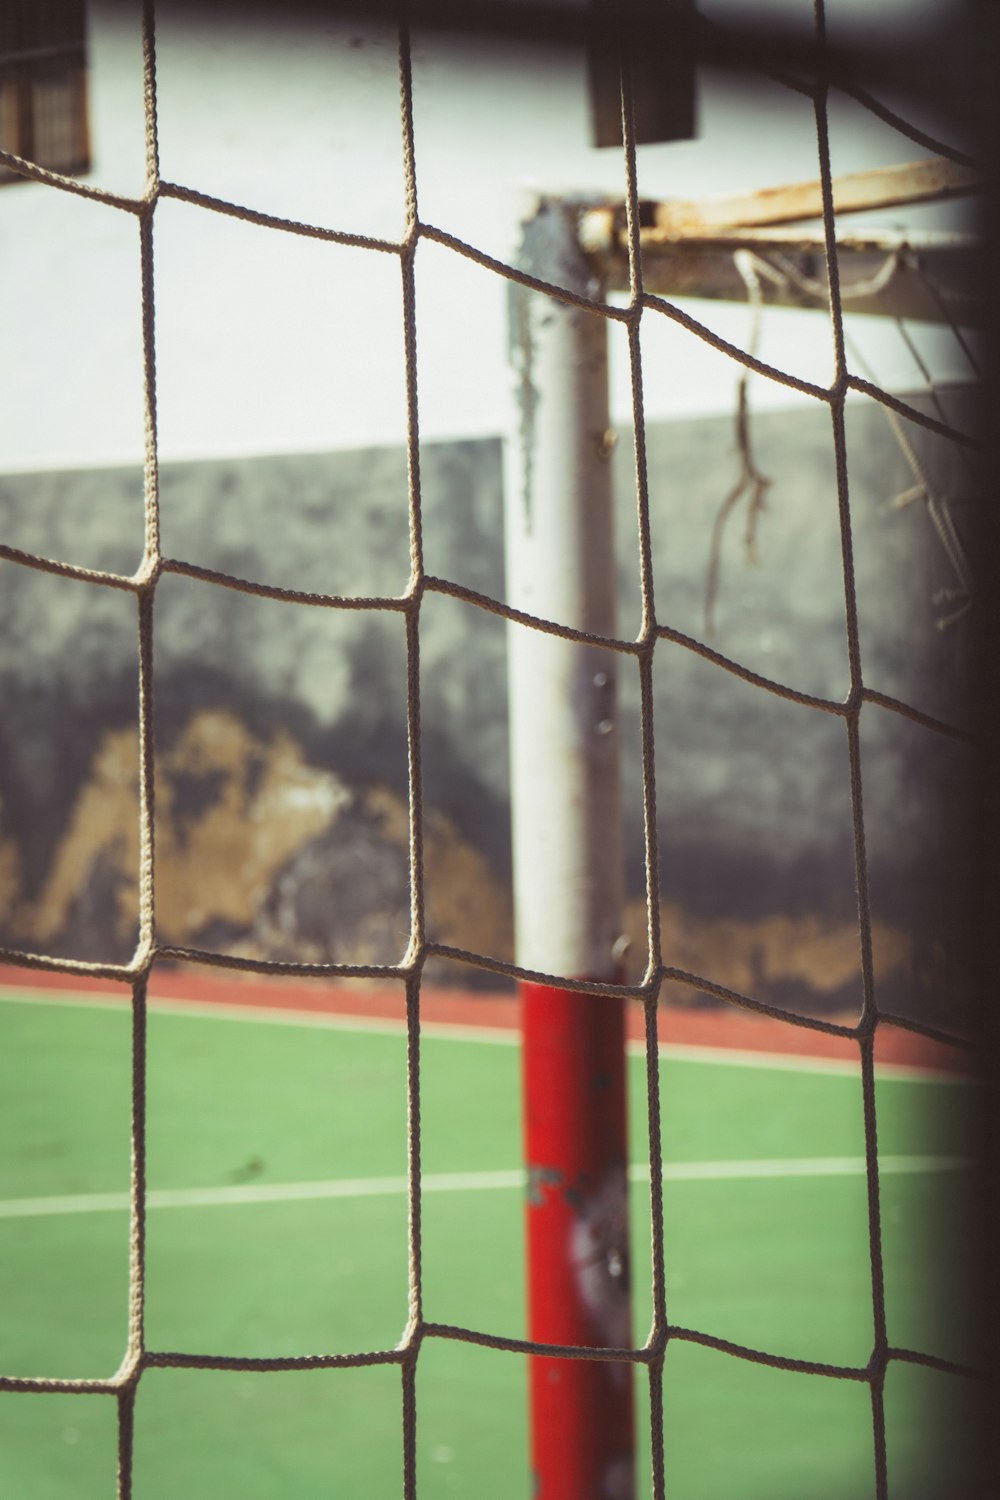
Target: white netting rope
[143,584]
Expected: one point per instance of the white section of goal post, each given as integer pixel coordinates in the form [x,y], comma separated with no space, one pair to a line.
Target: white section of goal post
[566,816]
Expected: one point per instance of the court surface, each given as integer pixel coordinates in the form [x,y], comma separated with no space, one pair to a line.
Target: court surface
[277,1226]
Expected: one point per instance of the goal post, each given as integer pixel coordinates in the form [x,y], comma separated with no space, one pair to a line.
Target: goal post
[567,849]
[565,777]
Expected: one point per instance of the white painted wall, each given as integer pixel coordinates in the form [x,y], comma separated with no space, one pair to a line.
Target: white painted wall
[270,343]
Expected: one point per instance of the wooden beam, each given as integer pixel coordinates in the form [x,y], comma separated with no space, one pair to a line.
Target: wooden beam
[929,277]
[883,187]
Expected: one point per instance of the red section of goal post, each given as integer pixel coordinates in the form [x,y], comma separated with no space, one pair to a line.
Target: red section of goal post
[573,1059]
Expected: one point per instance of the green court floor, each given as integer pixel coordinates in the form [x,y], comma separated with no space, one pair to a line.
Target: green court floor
[277,1226]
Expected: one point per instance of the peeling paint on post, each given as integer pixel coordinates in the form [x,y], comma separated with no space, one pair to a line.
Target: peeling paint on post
[568,885]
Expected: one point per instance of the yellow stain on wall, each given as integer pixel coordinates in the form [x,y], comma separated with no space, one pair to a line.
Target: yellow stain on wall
[218,864]
[269,803]
[104,822]
[467,904]
[234,807]
[749,955]
[231,809]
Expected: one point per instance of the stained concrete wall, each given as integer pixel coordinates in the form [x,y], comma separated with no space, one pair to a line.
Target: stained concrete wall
[281,733]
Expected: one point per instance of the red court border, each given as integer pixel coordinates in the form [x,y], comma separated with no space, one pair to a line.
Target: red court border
[722,1027]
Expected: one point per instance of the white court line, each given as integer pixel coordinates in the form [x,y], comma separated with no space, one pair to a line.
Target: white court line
[732,1057]
[462,1182]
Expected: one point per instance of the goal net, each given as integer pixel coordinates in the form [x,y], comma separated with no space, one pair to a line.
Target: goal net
[596,272]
